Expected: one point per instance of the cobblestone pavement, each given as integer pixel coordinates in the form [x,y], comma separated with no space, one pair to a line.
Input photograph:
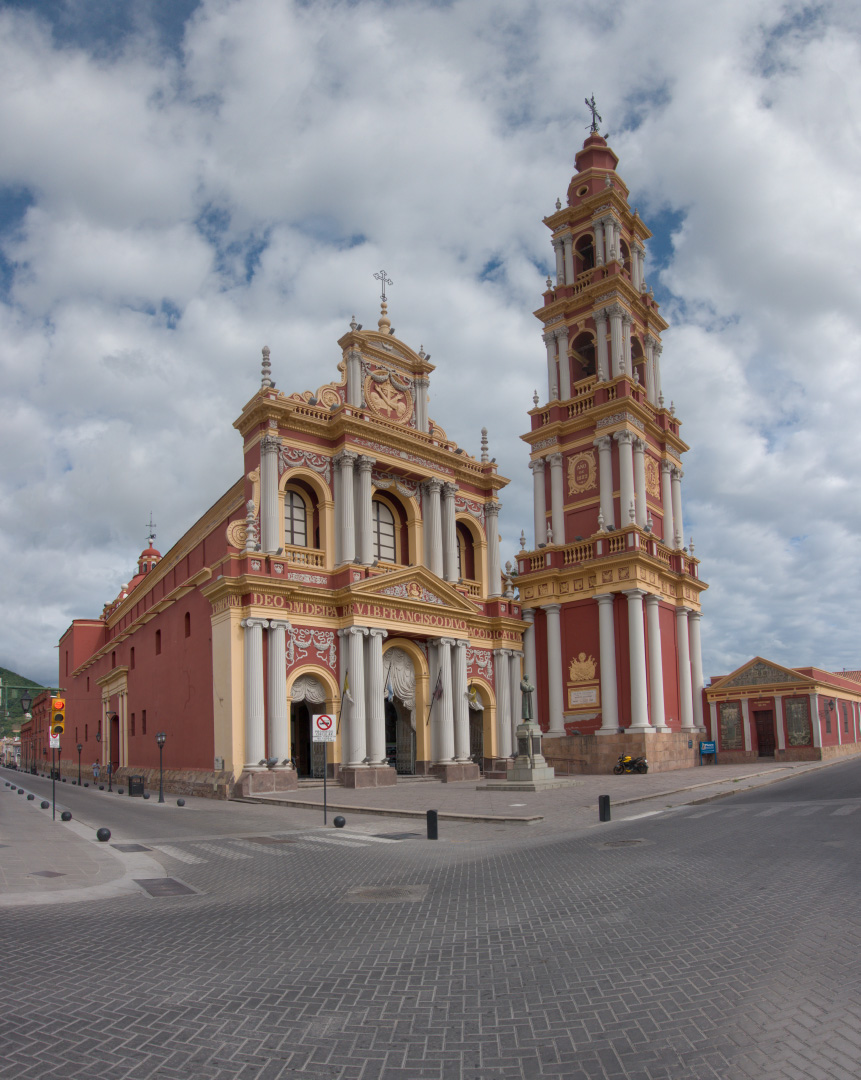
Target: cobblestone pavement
[717,941]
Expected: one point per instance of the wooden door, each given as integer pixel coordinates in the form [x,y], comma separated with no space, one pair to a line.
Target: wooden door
[764,721]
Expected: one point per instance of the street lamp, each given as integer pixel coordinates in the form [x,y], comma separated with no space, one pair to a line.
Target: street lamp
[160,738]
[26,701]
[80,748]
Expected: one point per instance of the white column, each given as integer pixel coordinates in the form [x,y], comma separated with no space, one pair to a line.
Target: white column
[568,242]
[460,692]
[348,520]
[636,266]
[433,526]
[637,658]
[696,667]
[627,362]
[625,440]
[560,261]
[815,722]
[255,737]
[539,501]
[270,527]
[685,684]
[715,725]
[557,499]
[778,718]
[421,421]
[642,511]
[605,479]
[514,659]
[598,226]
[607,658]
[656,359]
[667,496]
[554,670]
[564,363]
[529,660]
[656,665]
[494,583]
[649,345]
[376,699]
[503,702]
[279,709]
[679,534]
[358,745]
[449,533]
[602,365]
[616,365]
[444,711]
[611,232]
[363,511]
[338,500]
[552,377]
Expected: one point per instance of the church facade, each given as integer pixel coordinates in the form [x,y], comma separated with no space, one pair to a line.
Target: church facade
[353,571]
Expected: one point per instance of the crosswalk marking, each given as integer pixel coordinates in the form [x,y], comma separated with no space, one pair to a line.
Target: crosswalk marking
[223,852]
[844,810]
[768,813]
[178,853]
[806,811]
[330,840]
[249,844]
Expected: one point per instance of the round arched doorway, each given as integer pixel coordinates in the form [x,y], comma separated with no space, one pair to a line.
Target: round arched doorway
[307,696]
[400,712]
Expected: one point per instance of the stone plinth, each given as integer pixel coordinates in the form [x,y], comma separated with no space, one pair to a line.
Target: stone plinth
[527,785]
[267,780]
[595,754]
[367,776]
[452,773]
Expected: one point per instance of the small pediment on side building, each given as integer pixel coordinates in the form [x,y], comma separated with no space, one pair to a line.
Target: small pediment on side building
[414,584]
[759,672]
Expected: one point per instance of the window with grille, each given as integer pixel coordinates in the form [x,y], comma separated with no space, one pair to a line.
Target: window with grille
[384,532]
[295,519]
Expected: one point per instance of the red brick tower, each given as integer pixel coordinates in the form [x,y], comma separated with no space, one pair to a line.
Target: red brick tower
[609,584]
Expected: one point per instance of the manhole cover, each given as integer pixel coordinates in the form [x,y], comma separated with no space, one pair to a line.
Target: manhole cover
[399,835]
[46,873]
[164,886]
[385,894]
[622,843]
[130,847]
[270,840]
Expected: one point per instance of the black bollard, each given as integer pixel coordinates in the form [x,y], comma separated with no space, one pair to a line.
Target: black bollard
[44,804]
[103,835]
[433,825]
[603,807]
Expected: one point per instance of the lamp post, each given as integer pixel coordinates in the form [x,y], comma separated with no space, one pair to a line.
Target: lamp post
[26,702]
[80,748]
[160,739]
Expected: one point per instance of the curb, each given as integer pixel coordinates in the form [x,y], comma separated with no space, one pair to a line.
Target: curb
[390,811]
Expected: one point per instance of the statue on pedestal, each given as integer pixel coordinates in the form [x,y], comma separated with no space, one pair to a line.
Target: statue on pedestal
[526,692]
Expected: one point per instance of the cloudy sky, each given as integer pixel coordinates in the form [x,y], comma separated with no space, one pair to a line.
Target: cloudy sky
[182,183]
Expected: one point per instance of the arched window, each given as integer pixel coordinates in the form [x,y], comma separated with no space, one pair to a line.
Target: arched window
[384,531]
[295,519]
[188,624]
[584,254]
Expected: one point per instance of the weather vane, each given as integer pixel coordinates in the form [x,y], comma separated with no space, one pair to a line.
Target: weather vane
[384,281]
[151,534]
[593,127]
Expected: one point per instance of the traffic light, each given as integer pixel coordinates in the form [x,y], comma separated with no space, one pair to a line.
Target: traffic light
[58,715]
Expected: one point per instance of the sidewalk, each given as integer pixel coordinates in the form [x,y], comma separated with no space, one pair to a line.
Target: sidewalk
[43,861]
[470,802]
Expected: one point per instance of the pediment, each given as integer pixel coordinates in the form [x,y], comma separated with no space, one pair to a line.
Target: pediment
[415,585]
[760,672]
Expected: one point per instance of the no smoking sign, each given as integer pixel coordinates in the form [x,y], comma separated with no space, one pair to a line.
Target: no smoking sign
[323,728]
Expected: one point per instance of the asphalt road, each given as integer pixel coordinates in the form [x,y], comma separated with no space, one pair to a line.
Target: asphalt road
[701,942]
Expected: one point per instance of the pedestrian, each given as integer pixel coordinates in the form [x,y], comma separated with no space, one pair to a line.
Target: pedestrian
[95,772]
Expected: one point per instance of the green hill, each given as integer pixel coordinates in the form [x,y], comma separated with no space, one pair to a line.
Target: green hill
[11,712]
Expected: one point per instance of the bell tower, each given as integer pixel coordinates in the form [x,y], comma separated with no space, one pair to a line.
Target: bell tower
[611,590]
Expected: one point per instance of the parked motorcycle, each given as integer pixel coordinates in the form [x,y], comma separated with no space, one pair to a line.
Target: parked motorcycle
[626,764]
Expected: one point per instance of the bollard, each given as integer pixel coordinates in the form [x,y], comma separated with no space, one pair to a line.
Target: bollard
[66,815]
[180,802]
[103,835]
[339,822]
[433,825]
[603,807]
[30,798]
[44,804]
[146,795]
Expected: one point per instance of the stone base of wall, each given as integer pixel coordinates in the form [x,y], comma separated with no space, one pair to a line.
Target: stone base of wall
[817,753]
[265,782]
[368,776]
[740,757]
[450,774]
[197,782]
[597,754]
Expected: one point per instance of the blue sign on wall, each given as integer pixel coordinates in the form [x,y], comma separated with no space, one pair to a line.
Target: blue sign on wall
[708,748]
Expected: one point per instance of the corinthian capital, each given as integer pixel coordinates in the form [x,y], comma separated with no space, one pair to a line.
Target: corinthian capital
[602,442]
[623,436]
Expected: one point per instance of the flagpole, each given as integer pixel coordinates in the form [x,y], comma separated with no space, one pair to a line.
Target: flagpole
[434,696]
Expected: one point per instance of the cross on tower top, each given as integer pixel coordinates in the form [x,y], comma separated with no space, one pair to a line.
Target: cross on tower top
[384,281]
[151,527]
[590,104]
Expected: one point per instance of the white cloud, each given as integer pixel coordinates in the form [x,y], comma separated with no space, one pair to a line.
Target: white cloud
[189,208]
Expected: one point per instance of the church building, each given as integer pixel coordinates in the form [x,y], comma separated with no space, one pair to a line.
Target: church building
[353,571]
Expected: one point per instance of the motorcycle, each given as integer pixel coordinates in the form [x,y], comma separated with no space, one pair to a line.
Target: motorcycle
[628,764]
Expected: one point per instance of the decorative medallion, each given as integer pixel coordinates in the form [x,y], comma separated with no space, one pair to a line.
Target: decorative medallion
[412,591]
[329,396]
[653,477]
[387,400]
[582,472]
[237,534]
[582,669]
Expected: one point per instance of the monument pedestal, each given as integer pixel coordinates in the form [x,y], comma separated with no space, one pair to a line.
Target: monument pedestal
[530,771]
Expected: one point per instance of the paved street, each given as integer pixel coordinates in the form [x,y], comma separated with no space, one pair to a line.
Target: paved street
[684,940]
